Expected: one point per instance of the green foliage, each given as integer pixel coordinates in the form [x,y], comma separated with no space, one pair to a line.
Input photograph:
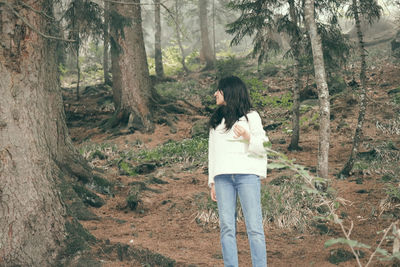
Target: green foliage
[192,150]
[91,151]
[396,97]
[126,168]
[133,198]
[393,192]
[257,92]
[269,69]
[336,85]
[285,203]
[257,21]
[228,66]
[351,243]
[178,90]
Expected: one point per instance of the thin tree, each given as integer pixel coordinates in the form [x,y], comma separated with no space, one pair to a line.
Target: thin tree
[83,19]
[178,31]
[323,92]
[157,40]
[35,148]
[372,11]
[132,89]
[106,42]
[206,52]
[295,34]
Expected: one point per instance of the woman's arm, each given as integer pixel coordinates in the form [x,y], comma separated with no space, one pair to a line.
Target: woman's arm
[256,137]
[257,134]
[211,159]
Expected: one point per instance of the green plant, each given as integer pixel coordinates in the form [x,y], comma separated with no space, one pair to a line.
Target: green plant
[193,151]
[228,66]
[393,192]
[336,85]
[331,204]
[269,69]
[287,205]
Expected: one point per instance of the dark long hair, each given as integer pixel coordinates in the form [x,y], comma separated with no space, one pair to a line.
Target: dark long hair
[237,101]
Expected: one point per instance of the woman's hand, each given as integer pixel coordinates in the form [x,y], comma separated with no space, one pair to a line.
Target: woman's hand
[212,193]
[240,131]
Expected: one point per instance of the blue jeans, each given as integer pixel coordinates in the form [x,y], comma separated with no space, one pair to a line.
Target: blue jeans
[227,187]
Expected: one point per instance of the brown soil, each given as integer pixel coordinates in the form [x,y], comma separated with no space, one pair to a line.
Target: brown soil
[167,225]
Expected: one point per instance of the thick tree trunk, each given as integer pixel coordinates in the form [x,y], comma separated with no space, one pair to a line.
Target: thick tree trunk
[363,99]
[294,43]
[206,51]
[323,93]
[157,40]
[106,46]
[34,141]
[131,81]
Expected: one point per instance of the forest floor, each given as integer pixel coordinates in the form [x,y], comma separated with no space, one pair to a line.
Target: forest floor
[165,224]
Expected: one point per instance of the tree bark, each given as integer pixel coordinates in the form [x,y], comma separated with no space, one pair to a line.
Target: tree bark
[363,99]
[294,43]
[206,51]
[323,93]
[131,81]
[34,140]
[157,41]
[106,46]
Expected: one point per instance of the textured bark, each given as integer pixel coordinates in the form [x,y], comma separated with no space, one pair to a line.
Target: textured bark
[206,52]
[106,51]
[363,99]
[294,43]
[33,138]
[157,40]
[131,81]
[323,93]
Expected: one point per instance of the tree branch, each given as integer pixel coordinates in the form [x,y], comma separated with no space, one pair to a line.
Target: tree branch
[15,12]
[37,11]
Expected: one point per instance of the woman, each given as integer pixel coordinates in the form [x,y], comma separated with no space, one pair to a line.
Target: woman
[236,161]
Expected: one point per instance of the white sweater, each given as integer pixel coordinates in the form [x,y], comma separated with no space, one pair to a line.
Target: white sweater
[229,155]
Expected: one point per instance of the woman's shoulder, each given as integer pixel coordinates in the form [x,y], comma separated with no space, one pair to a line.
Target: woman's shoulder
[253,114]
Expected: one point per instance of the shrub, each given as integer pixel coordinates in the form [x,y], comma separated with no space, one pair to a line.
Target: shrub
[193,151]
[227,67]
[336,85]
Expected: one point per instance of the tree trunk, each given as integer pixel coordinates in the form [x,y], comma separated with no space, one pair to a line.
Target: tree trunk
[363,99]
[34,140]
[323,93]
[178,37]
[206,51]
[131,81]
[157,41]
[106,46]
[78,68]
[214,50]
[294,43]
